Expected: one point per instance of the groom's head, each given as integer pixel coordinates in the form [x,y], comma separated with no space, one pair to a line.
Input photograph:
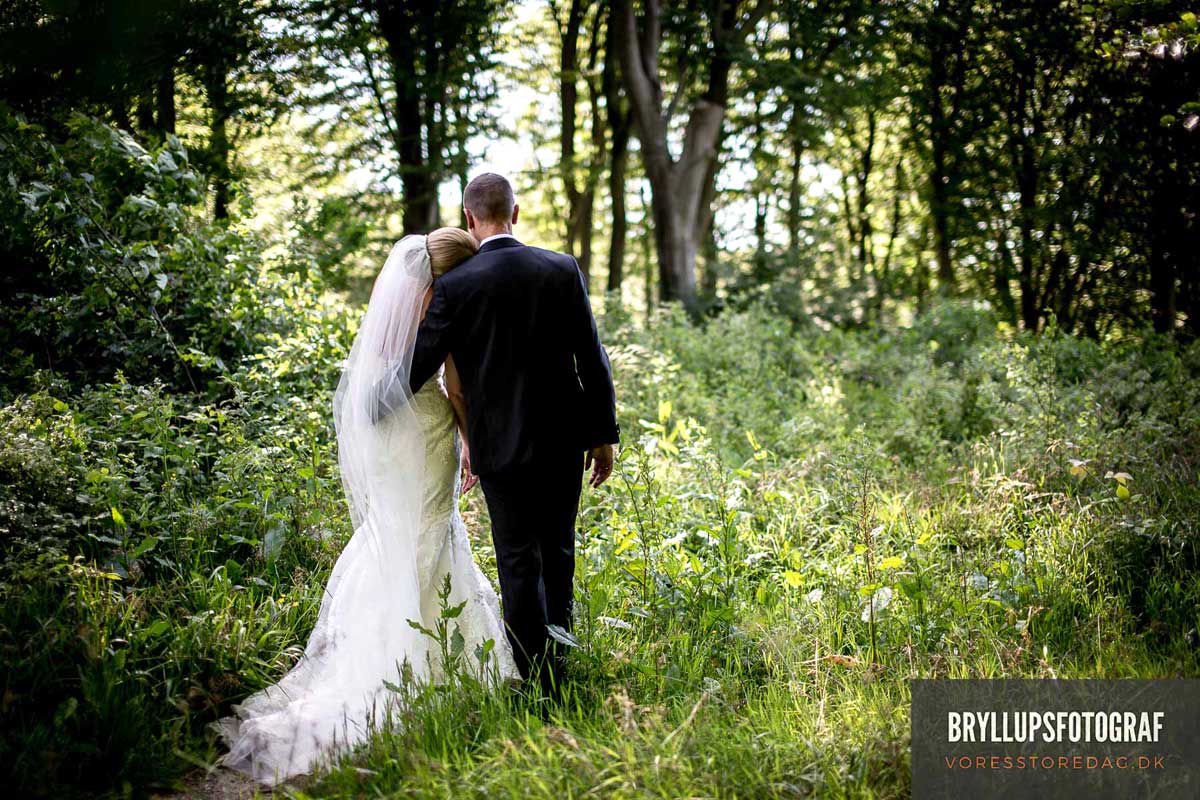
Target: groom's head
[489,205]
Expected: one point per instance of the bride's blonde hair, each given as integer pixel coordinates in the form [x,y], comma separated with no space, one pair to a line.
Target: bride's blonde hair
[449,247]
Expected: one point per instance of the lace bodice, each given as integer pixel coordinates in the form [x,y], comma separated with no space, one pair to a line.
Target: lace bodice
[436,417]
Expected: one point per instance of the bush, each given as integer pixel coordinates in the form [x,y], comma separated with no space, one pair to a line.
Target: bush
[111,266]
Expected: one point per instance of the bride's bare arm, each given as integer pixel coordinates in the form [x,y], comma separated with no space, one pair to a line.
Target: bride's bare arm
[458,399]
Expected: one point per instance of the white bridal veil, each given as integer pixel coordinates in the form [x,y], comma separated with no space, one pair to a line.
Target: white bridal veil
[337,691]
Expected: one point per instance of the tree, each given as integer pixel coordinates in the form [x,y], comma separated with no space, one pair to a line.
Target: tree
[435,50]
[619,123]
[941,59]
[397,87]
[579,198]
[679,185]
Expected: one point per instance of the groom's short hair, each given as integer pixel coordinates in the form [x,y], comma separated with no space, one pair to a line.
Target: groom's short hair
[489,197]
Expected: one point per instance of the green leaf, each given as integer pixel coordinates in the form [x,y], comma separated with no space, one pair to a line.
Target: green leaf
[157,628]
[145,546]
[457,643]
[1122,491]
[793,579]
[118,517]
[412,623]
[453,611]
[562,636]
[1014,543]
[483,650]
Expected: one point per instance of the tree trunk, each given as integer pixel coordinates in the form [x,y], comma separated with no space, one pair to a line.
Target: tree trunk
[587,205]
[462,192]
[618,123]
[1162,274]
[708,232]
[616,191]
[414,115]
[1025,168]
[1002,274]
[866,255]
[568,95]
[921,276]
[939,203]
[677,186]
[793,213]
[145,113]
[761,198]
[942,55]
[164,96]
[883,287]
[120,113]
[218,102]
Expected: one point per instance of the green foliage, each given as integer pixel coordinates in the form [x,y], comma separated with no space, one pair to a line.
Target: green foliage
[155,544]
[799,522]
[115,268]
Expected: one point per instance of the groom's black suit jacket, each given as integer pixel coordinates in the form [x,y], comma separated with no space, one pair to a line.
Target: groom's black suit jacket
[537,381]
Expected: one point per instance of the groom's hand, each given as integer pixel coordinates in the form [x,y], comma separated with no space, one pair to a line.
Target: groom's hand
[469,478]
[600,461]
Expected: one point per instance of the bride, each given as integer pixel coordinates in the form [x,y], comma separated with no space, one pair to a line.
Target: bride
[399,458]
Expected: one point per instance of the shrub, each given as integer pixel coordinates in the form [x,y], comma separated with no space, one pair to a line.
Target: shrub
[111,267]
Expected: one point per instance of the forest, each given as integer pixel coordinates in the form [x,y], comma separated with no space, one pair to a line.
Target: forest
[901,299]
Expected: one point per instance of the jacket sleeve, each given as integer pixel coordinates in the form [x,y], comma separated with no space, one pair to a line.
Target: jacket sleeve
[435,338]
[592,367]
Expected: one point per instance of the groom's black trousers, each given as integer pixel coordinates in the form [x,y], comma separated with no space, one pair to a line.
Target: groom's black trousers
[533,510]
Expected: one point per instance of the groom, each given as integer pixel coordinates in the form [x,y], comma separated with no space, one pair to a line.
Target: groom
[540,408]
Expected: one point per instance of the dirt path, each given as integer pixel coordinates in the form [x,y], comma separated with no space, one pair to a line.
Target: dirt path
[217,784]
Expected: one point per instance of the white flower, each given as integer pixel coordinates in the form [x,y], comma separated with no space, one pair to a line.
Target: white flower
[878,602]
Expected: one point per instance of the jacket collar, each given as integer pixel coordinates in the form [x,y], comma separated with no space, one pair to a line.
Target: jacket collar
[498,244]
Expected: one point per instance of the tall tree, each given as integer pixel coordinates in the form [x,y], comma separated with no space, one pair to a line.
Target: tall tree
[396,88]
[226,48]
[579,198]
[678,184]
[941,58]
[618,122]
[434,52]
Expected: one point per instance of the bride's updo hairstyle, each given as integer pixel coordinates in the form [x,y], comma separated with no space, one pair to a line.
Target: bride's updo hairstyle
[449,247]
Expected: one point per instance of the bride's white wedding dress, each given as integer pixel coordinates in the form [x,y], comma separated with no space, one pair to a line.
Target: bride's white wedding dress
[402,477]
